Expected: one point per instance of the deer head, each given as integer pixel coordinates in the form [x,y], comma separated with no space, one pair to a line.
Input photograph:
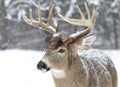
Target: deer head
[61,45]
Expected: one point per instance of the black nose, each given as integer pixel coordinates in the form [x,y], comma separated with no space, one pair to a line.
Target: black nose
[41,65]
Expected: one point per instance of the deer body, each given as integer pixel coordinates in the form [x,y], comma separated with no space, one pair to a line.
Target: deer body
[87,71]
[89,68]
[70,68]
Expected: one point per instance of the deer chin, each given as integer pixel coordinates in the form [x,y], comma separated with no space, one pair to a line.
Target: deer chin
[45,70]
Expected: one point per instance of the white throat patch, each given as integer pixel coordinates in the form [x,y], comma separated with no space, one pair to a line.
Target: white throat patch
[58,73]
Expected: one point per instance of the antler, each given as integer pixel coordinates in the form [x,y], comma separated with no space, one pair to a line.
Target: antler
[39,23]
[72,38]
[89,22]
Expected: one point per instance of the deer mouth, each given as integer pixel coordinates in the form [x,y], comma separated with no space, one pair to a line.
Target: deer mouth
[45,70]
[43,67]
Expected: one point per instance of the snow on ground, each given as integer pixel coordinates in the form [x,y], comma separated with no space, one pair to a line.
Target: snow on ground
[18,68]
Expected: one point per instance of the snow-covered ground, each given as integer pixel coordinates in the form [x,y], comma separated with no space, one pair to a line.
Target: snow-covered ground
[18,68]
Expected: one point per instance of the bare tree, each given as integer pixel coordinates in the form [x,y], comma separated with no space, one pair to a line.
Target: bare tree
[3,24]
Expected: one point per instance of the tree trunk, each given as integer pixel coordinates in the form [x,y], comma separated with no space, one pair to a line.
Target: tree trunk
[3,24]
[48,36]
[116,35]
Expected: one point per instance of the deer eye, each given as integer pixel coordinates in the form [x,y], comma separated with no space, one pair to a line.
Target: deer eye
[61,50]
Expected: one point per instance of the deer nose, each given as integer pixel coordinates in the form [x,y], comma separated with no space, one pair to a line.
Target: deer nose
[42,66]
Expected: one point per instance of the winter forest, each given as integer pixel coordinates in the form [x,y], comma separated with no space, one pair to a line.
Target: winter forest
[16,34]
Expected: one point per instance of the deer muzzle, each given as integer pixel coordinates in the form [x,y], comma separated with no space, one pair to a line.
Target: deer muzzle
[42,66]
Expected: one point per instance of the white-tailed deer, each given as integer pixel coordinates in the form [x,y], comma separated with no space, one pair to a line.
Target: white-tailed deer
[70,67]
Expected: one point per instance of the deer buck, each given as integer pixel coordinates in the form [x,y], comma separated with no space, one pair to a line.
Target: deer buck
[69,57]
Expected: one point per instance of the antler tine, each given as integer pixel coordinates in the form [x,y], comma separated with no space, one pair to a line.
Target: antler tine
[50,15]
[39,13]
[39,23]
[93,15]
[30,12]
[87,10]
[69,20]
[81,13]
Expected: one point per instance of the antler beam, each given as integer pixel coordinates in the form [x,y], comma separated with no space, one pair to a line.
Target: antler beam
[72,38]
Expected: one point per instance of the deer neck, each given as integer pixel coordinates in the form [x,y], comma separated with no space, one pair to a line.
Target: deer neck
[72,56]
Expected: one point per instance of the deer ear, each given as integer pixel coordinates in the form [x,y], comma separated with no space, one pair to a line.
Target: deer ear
[87,42]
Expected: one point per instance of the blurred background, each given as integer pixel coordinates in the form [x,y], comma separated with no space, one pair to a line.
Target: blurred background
[20,43]
[16,34]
